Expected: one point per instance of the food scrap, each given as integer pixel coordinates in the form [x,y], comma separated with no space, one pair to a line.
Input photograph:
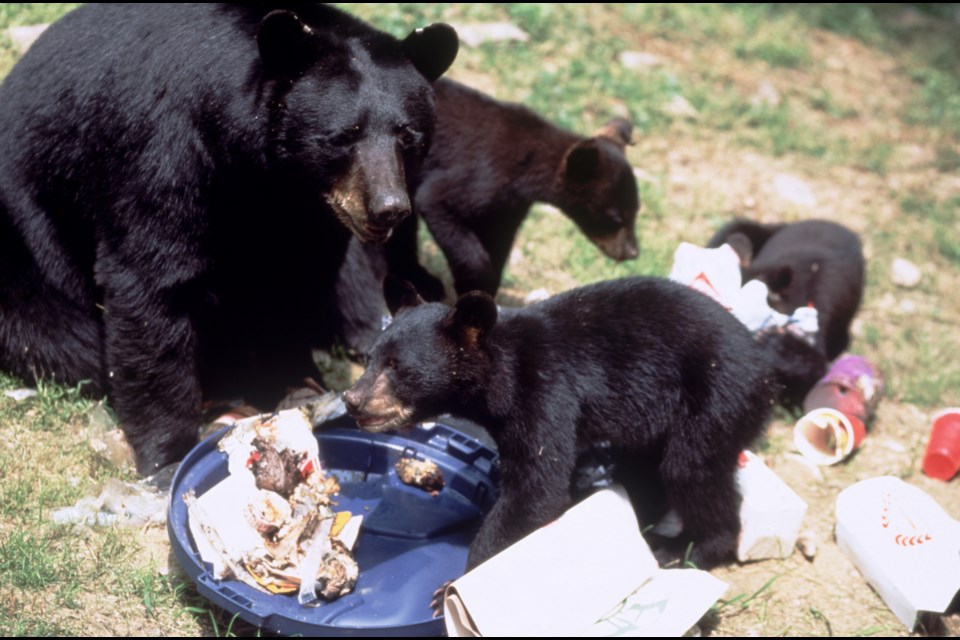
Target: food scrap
[270,522]
[422,474]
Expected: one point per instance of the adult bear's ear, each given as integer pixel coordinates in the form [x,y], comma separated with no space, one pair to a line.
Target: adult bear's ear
[287,44]
[399,294]
[473,316]
[432,49]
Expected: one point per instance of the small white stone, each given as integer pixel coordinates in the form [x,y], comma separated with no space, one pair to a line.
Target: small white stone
[905,274]
[475,34]
[537,295]
[794,190]
[23,37]
[807,544]
[20,394]
[680,107]
[638,60]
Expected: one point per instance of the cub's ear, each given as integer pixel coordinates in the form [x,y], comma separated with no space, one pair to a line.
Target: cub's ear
[287,44]
[582,161]
[618,131]
[743,247]
[780,278]
[432,49]
[474,315]
[399,294]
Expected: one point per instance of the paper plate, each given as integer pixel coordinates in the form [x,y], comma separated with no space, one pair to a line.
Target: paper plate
[410,543]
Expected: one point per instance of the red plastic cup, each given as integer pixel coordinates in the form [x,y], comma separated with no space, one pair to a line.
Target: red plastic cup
[827,436]
[942,459]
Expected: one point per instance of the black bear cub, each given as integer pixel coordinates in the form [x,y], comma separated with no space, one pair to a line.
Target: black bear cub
[489,163]
[812,262]
[664,376]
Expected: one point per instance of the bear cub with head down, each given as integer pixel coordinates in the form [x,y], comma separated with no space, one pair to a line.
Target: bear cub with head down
[490,161]
[664,376]
[813,262]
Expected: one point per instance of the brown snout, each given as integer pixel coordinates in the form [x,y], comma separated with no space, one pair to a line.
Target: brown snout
[619,246]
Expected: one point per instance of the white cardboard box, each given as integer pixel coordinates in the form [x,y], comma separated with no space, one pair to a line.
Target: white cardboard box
[904,544]
[579,575]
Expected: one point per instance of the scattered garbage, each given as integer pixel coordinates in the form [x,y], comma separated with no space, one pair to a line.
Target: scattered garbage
[409,545]
[270,523]
[942,457]
[580,575]
[838,408]
[107,439]
[852,385]
[716,273]
[120,503]
[827,436]
[771,513]
[423,474]
[903,543]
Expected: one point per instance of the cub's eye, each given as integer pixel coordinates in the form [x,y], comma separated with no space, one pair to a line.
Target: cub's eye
[615,216]
[391,363]
[408,137]
[346,137]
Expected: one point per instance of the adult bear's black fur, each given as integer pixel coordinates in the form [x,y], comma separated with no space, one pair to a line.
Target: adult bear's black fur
[178,184]
[670,380]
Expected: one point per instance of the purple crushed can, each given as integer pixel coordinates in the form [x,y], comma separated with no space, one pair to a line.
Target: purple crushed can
[852,386]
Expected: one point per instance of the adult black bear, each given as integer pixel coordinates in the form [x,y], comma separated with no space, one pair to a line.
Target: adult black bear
[670,380]
[491,161]
[178,185]
[813,262]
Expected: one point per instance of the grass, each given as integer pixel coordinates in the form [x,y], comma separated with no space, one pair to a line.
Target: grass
[830,119]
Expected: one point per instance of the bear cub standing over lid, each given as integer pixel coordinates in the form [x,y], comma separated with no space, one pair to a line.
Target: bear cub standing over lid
[178,186]
[673,382]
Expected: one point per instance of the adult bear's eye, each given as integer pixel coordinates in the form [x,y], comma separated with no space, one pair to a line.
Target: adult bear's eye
[409,137]
[346,137]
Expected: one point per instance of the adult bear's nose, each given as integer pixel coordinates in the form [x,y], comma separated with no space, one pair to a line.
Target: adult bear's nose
[388,208]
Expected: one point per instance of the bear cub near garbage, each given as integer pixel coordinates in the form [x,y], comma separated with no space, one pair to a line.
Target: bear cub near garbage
[812,262]
[660,374]
[178,188]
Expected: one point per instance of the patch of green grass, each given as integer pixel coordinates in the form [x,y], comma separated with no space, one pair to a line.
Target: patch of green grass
[936,103]
[17,625]
[873,630]
[779,43]
[822,100]
[876,156]
[743,601]
[27,561]
[947,158]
